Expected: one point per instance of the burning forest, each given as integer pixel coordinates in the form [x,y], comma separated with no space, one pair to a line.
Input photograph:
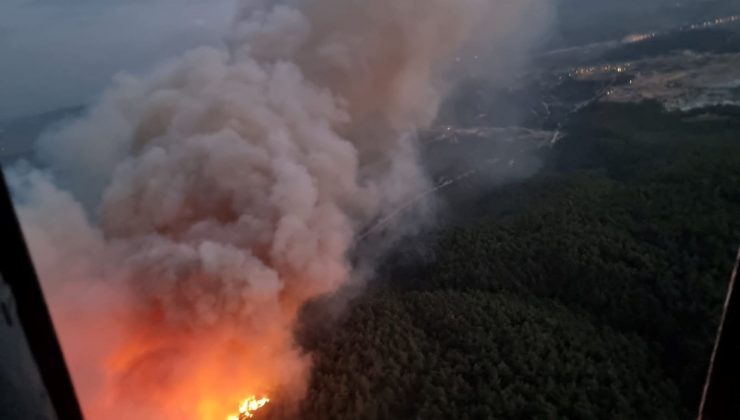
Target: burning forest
[180,225]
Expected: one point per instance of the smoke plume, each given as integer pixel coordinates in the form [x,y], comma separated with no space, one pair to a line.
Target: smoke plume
[180,225]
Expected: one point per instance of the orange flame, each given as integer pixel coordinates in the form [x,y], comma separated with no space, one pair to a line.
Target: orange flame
[248,407]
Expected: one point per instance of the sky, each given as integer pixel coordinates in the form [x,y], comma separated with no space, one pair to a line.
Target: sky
[62,53]
[59,53]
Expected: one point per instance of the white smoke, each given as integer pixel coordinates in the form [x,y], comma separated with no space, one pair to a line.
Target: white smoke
[180,225]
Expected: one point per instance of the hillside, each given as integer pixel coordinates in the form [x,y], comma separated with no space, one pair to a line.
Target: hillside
[591,290]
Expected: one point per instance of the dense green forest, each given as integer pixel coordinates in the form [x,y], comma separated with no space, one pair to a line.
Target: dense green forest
[481,355]
[592,290]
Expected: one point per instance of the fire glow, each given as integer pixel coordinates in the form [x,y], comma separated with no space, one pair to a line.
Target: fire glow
[248,407]
[180,225]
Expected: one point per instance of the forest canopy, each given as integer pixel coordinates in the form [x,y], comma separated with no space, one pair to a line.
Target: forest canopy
[592,290]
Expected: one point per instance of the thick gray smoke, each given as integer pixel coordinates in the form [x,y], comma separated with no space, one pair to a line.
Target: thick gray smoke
[180,225]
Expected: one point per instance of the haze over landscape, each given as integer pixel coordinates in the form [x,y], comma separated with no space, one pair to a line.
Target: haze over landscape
[331,209]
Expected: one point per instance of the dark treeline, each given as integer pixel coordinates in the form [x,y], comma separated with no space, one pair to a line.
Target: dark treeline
[481,355]
[592,290]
